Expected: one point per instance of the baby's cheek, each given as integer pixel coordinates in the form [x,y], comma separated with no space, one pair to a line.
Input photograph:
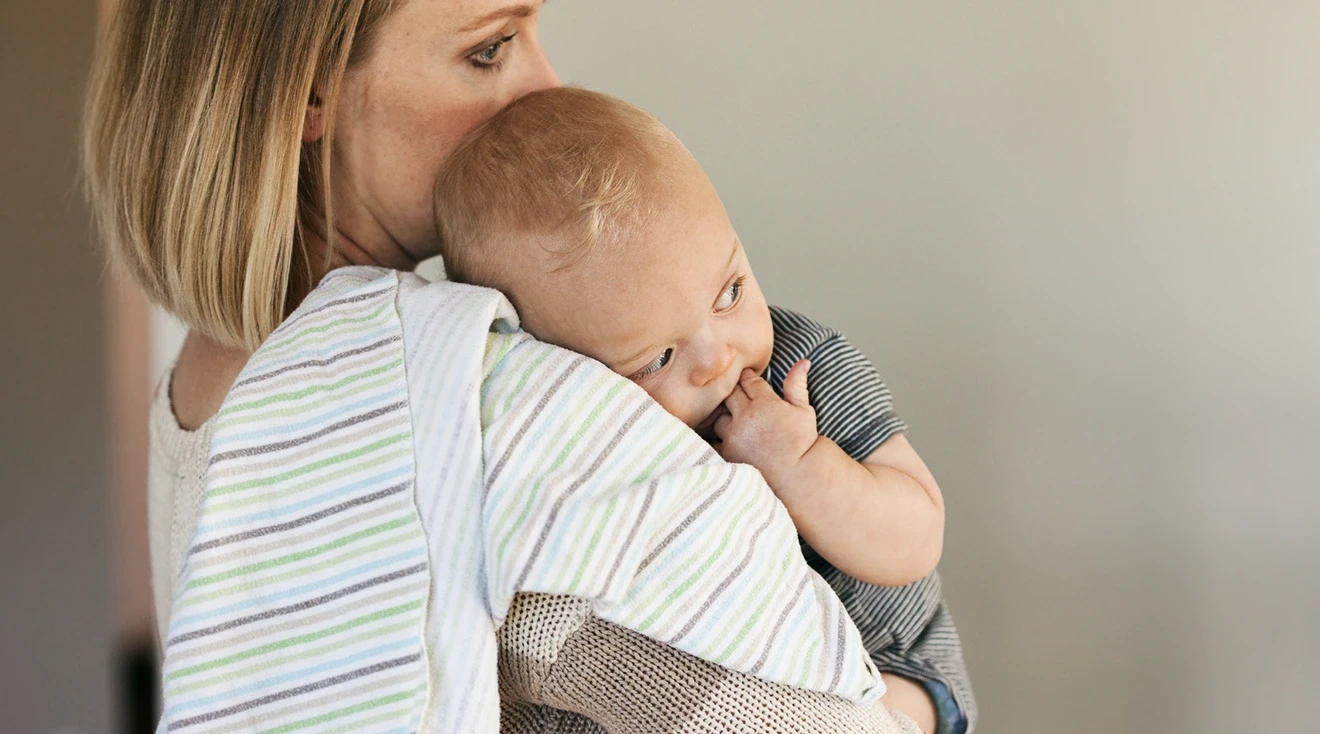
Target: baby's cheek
[674,402]
[764,344]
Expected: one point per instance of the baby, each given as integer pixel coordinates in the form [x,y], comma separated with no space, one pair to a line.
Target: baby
[610,241]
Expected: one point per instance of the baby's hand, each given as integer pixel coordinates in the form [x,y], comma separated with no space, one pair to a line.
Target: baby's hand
[766,431]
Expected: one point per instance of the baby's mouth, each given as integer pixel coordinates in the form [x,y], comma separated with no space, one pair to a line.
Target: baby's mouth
[706,428]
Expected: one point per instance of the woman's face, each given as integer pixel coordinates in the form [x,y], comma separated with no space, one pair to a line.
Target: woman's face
[438,69]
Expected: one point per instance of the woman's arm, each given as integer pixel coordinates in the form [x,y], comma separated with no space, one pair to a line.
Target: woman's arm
[586,663]
[554,653]
[911,698]
[593,490]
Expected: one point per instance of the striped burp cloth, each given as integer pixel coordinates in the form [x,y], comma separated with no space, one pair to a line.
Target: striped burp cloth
[386,474]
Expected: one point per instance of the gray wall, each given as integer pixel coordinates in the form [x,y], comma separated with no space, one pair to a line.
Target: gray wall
[1082,241]
[55,620]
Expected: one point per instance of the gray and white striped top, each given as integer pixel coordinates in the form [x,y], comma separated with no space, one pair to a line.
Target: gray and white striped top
[907,630]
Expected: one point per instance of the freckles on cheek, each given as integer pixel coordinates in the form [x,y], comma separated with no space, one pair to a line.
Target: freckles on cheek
[463,115]
[438,128]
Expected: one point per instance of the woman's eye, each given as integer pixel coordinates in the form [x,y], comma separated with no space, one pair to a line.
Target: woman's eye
[729,298]
[489,57]
[655,366]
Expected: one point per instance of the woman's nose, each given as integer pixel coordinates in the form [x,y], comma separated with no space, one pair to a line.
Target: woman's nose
[716,365]
[541,74]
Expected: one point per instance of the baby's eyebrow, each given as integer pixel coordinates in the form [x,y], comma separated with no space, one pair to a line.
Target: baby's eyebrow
[733,255]
[737,243]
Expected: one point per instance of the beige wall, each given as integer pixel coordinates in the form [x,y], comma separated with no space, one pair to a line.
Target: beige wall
[1082,241]
[131,372]
[56,616]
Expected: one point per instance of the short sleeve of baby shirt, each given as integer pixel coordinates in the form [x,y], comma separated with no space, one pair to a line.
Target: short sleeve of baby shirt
[853,406]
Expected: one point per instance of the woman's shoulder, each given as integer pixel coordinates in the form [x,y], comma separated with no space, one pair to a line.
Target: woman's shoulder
[175,486]
[173,441]
[200,380]
[206,369]
[460,306]
[352,298]
[350,304]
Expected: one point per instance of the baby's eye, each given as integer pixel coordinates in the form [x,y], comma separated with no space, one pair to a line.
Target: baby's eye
[729,298]
[655,366]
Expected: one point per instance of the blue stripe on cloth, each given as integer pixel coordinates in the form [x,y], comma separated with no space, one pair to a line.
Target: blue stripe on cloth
[317,671]
[408,557]
[278,513]
[389,394]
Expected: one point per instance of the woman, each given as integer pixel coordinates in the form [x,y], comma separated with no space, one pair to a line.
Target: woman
[236,152]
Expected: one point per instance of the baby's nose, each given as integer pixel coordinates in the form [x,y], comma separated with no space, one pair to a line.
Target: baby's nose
[718,365]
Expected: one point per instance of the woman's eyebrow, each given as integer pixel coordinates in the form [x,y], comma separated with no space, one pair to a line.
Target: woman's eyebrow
[509,11]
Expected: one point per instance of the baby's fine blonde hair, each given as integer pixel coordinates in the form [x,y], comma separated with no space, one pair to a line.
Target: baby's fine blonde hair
[192,151]
[575,167]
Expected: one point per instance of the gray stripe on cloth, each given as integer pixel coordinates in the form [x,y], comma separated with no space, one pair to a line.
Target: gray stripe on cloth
[774,633]
[321,515]
[573,488]
[346,591]
[632,534]
[735,573]
[540,406]
[687,521]
[346,423]
[292,692]
[298,318]
[317,362]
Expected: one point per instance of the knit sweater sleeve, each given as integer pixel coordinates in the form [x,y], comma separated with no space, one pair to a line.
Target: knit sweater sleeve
[564,670]
[176,478]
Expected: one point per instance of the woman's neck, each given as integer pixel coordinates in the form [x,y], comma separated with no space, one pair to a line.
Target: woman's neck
[347,250]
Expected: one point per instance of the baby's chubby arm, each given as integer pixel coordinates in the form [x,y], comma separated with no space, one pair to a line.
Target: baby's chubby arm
[880,520]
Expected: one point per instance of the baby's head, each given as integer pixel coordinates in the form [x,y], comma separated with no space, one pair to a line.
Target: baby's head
[609,239]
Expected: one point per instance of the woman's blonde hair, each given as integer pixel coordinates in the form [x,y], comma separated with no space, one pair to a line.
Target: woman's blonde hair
[195,168]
